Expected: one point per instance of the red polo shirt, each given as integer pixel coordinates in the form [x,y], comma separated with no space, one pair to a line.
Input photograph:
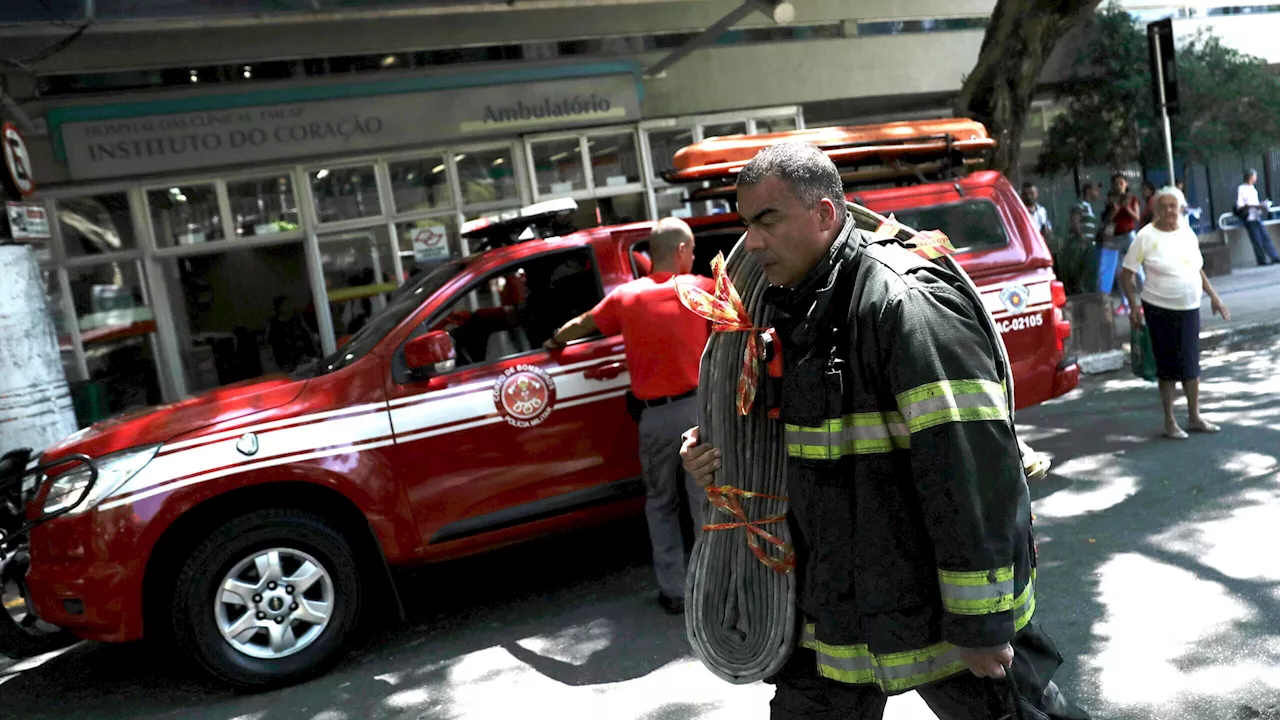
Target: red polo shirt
[664,339]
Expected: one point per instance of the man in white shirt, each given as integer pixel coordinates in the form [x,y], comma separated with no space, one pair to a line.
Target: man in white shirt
[1247,199]
[1039,216]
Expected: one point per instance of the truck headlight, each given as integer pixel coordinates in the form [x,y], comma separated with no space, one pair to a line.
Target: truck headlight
[113,471]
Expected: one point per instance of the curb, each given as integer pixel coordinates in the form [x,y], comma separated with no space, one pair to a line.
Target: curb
[1103,362]
[1220,337]
[1112,360]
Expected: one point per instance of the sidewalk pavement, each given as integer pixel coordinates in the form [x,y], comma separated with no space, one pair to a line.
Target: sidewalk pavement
[1252,296]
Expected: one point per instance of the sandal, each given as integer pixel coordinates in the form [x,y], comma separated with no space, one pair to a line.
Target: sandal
[1175,434]
[1204,427]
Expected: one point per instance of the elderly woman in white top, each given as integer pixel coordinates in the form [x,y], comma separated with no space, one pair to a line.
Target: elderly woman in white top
[1169,252]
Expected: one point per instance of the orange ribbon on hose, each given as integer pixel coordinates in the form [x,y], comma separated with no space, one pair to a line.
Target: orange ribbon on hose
[726,312]
[723,497]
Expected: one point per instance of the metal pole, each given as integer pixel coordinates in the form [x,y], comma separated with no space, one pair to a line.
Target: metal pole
[1164,114]
[707,36]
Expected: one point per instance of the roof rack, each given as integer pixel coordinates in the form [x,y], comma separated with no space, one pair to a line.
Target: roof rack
[551,218]
[902,151]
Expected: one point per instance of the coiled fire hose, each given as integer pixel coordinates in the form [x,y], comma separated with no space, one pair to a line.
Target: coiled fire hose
[740,604]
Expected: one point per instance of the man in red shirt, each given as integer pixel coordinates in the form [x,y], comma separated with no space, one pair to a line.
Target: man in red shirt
[664,342]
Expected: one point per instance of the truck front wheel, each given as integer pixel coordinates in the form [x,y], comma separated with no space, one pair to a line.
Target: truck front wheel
[267,599]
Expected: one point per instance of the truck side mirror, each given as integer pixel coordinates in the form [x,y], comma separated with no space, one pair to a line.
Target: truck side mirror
[431,353]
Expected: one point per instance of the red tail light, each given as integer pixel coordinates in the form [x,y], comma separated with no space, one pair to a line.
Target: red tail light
[1061,326]
[1059,294]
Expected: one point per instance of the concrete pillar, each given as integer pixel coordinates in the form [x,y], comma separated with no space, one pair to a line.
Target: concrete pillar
[35,401]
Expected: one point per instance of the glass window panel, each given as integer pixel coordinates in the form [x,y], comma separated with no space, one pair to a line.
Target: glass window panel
[486,176]
[663,145]
[515,310]
[670,203]
[614,161]
[187,215]
[615,210]
[264,206]
[558,166]
[117,329]
[775,125]
[345,193]
[61,328]
[421,184]
[96,224]
[970,224]
[243,313]
[425,244]
[359,273]
[722,129]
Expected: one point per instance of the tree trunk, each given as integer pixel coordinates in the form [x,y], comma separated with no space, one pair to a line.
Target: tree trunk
[998,92]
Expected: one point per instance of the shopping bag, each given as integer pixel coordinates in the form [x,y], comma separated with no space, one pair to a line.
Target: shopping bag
[1142,359]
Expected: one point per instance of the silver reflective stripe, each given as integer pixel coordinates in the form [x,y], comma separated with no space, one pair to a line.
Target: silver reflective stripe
[978,592]
[944,402]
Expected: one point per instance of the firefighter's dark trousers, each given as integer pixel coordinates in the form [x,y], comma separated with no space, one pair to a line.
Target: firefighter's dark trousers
[801,693]
[666,486]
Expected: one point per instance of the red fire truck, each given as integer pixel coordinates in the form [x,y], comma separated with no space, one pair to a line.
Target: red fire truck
[257,524]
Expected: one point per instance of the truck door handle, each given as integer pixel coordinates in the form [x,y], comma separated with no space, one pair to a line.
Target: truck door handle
[605,372]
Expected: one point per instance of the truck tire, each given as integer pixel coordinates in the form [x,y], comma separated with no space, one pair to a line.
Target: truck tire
[268,599]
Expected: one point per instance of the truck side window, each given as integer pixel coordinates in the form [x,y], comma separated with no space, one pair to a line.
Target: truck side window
[515,310]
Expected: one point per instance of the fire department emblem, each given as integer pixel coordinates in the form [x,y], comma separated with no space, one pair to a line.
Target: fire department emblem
[1014,298]
[524,395]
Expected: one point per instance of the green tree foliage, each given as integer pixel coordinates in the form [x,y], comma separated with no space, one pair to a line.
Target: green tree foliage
[1229,101]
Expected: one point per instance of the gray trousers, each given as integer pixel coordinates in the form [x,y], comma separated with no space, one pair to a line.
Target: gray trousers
[667,485]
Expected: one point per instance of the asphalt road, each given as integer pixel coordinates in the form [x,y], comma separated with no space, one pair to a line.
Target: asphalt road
[1158,581]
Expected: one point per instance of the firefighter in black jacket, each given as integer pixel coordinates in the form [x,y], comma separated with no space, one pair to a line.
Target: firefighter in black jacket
[908,503]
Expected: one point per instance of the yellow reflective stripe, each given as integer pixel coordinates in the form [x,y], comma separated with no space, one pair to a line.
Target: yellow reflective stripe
[855,434]
[1025,605]
[981,592]
[901,671]
[976,577]
[924,422]
[952,401]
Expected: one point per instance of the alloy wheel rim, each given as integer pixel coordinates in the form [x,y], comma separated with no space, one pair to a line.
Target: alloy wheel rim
[274,603]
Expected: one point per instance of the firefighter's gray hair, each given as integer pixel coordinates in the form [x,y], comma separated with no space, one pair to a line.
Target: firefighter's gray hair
[666,237]
[803,167]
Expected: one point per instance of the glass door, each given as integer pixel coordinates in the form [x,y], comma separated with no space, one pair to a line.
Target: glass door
[359,275]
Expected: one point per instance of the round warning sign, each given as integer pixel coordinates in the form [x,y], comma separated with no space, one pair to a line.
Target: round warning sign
[524,395]
[17,160]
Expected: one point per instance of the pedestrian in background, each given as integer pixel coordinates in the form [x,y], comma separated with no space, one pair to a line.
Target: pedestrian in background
[1169,251]
[1249,209]
[1148,203]
[1084,217]
[1119,221]
[1039,216]
[664,344]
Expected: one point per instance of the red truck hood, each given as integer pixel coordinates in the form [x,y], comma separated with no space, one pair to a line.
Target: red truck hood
[159,424]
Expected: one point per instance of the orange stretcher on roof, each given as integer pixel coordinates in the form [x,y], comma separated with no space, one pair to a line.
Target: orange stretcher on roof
[870,151]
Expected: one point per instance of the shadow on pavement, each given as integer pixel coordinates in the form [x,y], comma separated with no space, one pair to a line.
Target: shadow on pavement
[577,608]
[1157,574]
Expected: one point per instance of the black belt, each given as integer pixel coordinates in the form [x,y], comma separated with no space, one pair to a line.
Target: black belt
[665,400]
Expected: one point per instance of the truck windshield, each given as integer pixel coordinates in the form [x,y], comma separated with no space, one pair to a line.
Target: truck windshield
[971,225]
[404,301]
